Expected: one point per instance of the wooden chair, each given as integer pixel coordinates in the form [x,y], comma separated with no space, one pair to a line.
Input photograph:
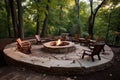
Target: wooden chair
[64,37]
[92,42]
[96,51]
[51,38]
[39,40]
[76,38]
[86,40]
[23,46]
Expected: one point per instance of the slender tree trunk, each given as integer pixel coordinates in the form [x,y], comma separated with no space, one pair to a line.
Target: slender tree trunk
[78,13]
[44,26]
[20,20]
[37,25]
[14,18]
[8,17]
[91,24]
[107,32]
[60,19]
[37,20]
[92,17]
[45,21]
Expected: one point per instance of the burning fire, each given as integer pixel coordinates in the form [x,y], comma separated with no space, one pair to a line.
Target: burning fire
[58,42]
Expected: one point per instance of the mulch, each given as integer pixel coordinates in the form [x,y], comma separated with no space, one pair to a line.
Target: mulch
[111,73]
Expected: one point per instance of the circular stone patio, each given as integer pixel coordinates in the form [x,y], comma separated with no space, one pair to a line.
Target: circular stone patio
[68,63]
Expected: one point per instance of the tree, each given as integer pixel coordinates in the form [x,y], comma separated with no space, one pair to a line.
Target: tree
[45,23]
[92,16]
[20,20]
[78,13]
[36,14]
[57,17]
[14,18]
[8,17]
[107,22]
[17,21]
[37,18]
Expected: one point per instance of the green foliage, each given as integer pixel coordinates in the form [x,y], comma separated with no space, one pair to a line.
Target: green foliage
[63,18]
[3,20]
[107,21]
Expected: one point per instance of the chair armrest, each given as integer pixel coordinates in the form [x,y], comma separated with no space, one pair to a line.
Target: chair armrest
[87,50]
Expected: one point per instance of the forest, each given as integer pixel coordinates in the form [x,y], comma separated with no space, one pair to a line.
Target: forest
[25,18]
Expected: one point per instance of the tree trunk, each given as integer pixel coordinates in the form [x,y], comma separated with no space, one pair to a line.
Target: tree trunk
[37,20]
[8,18]
[14,18]
[20,20]
[60,19]
[78,13]
[107,32]
[92,17]
[45,21]
[44,26]
[37,25]
[91,24]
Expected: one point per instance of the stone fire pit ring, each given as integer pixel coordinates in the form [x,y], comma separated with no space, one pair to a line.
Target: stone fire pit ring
[59,49]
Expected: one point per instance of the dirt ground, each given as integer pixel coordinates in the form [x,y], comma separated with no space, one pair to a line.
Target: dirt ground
[111,73]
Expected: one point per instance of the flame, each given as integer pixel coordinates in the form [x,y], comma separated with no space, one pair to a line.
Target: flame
[58,42]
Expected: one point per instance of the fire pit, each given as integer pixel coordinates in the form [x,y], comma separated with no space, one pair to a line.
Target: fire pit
[59,46]
[58,64]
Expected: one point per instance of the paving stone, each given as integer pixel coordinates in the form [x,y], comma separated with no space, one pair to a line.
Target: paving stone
[65,63]
[88,63]
[108,55]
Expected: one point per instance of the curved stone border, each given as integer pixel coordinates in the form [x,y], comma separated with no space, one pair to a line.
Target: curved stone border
[70,63]
[59,49]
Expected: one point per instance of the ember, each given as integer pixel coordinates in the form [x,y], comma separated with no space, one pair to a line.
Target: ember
[59,46]
[59,43]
